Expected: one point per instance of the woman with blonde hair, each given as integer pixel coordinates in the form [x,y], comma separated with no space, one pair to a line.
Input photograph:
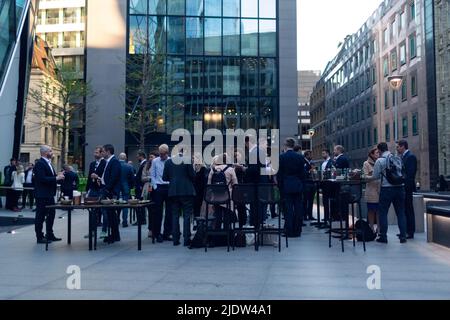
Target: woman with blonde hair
[222,163]
[372,194]
[18,178]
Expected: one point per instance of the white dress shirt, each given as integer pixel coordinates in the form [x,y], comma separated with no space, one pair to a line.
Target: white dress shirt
[325,163]
[49,162]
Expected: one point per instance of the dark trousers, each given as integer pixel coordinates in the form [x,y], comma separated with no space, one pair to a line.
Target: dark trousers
[293,214]
[16,194]
[177,205]
[113,223]
[242,215]
[28,194]
[409,211]
[308,200]
[161,197]
[9,199]
[395,196]
[198,201]
[44,214]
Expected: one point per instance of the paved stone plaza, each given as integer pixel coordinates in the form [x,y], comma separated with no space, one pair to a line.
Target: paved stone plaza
[308,269]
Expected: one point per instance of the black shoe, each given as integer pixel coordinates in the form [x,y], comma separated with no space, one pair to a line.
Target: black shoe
[410,237]
[403,240]
[167,238]
[187,243]
[43,241]
[108,240]
[176,243]
[381,240]
[159,239]
[124,225]
[53,238]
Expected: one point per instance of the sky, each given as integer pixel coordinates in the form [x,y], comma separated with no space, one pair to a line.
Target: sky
[322,24]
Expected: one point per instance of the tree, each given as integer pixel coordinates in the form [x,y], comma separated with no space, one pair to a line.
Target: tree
[60,99]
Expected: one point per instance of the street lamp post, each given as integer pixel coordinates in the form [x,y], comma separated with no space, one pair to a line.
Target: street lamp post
[395,83]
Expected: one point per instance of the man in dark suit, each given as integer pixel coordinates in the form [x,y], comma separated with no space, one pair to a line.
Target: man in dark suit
[180,174]
[340,160]
[29,177]
[291,176]
[111,189]
[7,181]
[93,185]
[410,167]
[45,179]
[142,158]
[126,184]
[70,182]
[310,188]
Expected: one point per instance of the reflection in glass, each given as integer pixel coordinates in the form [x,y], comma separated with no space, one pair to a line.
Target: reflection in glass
[213,33]
[193,111]
[249,113]
[174,113]
[212,113]
[249,9]
[267,8]
[267,38]
[231,76]
[194,7]
[194,36]
[231,113]
[138,6]
[175,7]
[157,7]
[231,37]
[213,8]
[175,75]
[231,8]
[249,38]
[194,76]
[213,76]
[267,113]
[249,77]
[157,35]
[175,38]
[137,34]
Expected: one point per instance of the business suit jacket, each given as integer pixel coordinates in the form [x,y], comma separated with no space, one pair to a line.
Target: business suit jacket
[70,183]
[253,172]
[138,182]
[111,177]
[92,185]
[44,180]
[291,174]
[410,167]
[342,163]
[126,177]
[181,178]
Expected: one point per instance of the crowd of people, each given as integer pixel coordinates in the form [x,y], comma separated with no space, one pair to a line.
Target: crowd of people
[177,189]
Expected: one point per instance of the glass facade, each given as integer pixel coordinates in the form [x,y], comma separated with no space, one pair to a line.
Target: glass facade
[211,60]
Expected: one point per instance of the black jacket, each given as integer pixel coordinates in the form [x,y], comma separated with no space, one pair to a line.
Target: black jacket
[138,181]
[253,172]
[44,180]
[410,166]
[112,177]
[181,178]
[291,174]
[7,173]
[91,184]
[70,183]
[342,163]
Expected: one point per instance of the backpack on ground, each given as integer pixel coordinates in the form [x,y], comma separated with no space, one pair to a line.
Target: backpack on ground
[362,227]
[218,176]
[199,237]
[394,172]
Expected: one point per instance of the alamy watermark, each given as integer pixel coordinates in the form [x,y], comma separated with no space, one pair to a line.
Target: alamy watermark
[234,143]
[73,282]
[374,281]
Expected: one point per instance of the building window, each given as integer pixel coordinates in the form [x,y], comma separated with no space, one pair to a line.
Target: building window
[369,139]
[387,132]
[412,46]
[386,99]
[404,91]
[52,16]
[386,66]
[405,127]
[375,136]
[415,127]
[52,39]
[413,85]
[70,15]
[412,11]
[403,54]
[374,105]
[402,21]
[374,75]
[394,60]
[385,37]
[46,135]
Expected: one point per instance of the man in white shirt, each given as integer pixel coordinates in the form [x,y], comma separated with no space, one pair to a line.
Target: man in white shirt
[27,193]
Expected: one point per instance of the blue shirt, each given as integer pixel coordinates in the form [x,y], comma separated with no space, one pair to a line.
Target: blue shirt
[156,172]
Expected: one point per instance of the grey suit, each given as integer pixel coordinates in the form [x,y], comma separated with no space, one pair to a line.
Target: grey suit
[181,193]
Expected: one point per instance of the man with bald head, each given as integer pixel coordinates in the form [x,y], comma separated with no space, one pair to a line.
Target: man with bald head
[45,179]
[126,184]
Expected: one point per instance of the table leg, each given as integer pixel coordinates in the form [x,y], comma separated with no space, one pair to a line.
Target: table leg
[139,217]
[90,230]
[69,226]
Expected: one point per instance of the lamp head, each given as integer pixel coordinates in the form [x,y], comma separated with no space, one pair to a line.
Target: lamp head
[395,82]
